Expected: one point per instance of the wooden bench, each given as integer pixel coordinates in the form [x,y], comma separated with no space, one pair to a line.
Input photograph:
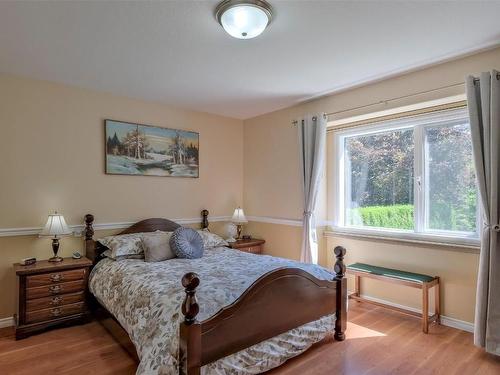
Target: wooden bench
[414,280]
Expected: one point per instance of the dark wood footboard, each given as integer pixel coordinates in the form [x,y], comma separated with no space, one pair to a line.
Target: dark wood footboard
[277,302]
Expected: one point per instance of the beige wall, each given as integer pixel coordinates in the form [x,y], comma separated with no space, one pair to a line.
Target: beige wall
[52,148]
[52,152]
[284,240]
[272,188]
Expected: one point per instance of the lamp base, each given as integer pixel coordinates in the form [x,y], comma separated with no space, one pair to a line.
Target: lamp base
[55,249]
[238,229]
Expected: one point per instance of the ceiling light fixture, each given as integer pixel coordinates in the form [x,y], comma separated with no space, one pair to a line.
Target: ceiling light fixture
[244,19]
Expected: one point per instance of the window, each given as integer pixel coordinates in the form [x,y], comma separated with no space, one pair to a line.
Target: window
[412,175]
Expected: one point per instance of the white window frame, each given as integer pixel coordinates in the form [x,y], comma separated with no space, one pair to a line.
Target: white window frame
[420,233]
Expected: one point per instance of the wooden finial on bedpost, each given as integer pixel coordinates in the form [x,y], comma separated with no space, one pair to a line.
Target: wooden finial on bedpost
[89,230]
[190,307]
[190,329]
[88,233]
[204,219]
[341,313]
[339,266]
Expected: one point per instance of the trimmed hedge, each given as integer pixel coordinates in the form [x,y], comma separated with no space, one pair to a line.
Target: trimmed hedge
[398,216]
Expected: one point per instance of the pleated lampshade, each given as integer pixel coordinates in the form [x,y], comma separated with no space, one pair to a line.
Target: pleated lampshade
[56,226]
[239,216]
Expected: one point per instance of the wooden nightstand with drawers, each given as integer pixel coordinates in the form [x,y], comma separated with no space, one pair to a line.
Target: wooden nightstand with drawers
[253,246]
[51,294]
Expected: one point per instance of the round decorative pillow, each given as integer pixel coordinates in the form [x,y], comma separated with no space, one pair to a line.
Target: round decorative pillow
[186,243]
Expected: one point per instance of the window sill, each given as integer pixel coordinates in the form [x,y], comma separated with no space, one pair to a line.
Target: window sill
[459,243]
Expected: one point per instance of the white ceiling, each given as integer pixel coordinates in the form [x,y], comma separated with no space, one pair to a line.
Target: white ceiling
[175,52]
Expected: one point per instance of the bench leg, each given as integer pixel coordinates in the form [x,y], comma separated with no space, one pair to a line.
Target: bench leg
[437,301]
[425,308]
[357,286]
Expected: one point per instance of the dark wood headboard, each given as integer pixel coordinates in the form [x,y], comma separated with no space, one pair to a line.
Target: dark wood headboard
[94,250]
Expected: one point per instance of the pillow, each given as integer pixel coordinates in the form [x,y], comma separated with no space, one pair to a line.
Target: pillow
[123,245]
[211,239]
[186,243]
[157,246]
[109,255]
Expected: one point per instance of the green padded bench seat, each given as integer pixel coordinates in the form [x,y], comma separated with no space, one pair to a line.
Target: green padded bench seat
[390,272]
[410,279]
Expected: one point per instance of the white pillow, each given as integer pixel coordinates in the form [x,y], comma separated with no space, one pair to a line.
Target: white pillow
[211,239]
[157,246]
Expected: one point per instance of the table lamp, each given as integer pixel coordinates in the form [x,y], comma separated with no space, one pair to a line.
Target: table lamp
[239,219]
[56,228]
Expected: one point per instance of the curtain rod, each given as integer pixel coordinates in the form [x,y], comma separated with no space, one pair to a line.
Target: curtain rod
[325,116]
[395,99]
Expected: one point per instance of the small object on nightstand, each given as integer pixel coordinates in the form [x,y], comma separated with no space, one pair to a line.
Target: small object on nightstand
[253,246]
[27,261]
[76,255]
[246,237]
[51,294]
[56,227]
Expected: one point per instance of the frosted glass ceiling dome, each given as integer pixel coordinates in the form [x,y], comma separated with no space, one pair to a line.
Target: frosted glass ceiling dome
[244,19]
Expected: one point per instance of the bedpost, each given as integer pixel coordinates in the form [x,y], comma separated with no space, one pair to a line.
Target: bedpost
[341,313]
[204,219]
[190,329]
[88,233]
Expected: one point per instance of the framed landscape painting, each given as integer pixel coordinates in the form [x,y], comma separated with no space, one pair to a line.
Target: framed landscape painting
[135,149]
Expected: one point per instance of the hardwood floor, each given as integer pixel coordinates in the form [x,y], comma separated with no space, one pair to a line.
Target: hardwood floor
[379,342]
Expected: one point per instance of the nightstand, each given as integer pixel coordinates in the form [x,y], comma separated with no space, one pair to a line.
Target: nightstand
[253,246]
[51,294]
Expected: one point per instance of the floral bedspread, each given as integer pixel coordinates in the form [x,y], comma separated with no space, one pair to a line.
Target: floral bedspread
[146,298]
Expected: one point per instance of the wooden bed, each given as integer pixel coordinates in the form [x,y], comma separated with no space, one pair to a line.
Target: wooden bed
[277,302]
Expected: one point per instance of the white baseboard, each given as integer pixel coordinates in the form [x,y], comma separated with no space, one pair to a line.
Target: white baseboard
[445,320]
[7,322]
[458,324]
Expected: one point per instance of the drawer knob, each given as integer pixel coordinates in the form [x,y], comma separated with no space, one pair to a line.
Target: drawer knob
[56,312]
[54,289]
[56,277]
[56,301]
